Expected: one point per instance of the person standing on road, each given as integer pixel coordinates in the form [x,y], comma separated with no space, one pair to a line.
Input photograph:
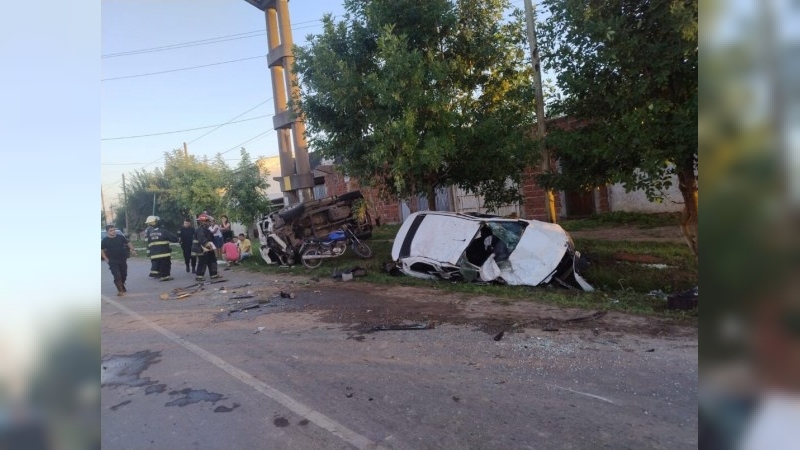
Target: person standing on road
[158,241]
[225,228]
[186,236]
[151,220]
[245,247]
[204,249]
[115,250]
[216,231]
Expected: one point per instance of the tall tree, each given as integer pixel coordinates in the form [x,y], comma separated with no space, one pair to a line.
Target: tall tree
[628,70]
[410,96]
[245,191]
[194,184]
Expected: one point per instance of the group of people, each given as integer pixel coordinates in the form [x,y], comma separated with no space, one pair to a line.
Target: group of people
[201,247]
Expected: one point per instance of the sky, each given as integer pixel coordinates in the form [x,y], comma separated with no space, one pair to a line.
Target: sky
[145,47]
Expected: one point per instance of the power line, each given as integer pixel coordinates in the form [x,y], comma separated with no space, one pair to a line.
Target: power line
[206,41]
[186,44]
[230,121]
[198,138]
[184,68]
[181,131]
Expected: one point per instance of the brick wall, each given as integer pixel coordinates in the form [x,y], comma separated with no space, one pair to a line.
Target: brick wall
[381,211]
[534,206]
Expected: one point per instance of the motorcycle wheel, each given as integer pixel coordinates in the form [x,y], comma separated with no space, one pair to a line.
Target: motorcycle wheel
[311,263]
[361,249]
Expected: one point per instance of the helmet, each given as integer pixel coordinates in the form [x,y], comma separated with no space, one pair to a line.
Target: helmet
[151,220]
[203,217]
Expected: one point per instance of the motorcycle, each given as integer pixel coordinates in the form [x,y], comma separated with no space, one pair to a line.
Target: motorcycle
[314,250]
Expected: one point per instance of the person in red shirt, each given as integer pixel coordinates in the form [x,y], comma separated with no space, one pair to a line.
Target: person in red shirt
[231,252]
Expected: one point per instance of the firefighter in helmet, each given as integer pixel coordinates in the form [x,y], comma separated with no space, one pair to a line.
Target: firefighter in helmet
[158,240]
[203,248]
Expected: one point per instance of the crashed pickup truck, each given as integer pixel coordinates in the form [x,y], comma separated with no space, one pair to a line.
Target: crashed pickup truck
[474,247]
[281,233]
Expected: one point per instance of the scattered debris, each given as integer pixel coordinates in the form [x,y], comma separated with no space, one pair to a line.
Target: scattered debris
[657,294]
[259,330]
[411,326]
[593,316]
[499,335]
[287,294]
[685,300]
[549,329]
[177,296]
[239,287]
[347,275]
[244,307]
[242,296]
[650,350]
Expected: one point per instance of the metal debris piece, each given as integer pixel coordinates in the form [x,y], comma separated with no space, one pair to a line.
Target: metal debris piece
[592,316]
[177,295]
[499,335]
[239,287]
[259,330]
[244,307]
[287,294]
[412,326]
[242,296]
[549,329]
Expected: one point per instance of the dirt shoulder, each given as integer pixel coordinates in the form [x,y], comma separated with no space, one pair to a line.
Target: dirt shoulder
[362,307]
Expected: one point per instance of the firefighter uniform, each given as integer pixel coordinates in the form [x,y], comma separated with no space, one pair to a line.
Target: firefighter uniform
[206,257]
[158,241]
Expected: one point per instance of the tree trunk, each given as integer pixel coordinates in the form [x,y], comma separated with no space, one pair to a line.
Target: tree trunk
[432,199]
[689,219]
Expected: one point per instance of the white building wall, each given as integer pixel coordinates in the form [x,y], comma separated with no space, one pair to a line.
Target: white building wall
[636,201]
[465,202]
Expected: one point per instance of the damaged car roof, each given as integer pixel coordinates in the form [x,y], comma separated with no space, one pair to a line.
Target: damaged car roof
[455,246]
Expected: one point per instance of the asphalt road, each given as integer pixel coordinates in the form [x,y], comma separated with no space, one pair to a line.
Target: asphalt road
[183,374]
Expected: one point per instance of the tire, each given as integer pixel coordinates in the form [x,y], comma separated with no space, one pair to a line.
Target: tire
[311,263]
[361,249]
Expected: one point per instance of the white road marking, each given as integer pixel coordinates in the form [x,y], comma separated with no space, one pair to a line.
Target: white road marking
[319,419]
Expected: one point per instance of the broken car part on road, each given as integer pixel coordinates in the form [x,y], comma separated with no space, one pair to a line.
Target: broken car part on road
[467,247]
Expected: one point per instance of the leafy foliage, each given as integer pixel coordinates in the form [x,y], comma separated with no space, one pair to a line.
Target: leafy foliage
[245,191]
[411,96]
[628,70]
[188,185]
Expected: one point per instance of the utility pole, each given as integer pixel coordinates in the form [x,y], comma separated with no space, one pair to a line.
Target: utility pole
[125,199]
[296,180]
[550,201]
[103,202]
[185,151]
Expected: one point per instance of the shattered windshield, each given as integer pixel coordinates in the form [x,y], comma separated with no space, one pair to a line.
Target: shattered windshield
[508,232]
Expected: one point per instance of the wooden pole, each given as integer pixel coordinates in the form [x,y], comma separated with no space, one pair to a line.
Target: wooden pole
[103,202]
[550,203]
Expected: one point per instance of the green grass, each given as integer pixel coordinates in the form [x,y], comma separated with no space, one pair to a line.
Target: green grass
[621,218]
[620,286]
